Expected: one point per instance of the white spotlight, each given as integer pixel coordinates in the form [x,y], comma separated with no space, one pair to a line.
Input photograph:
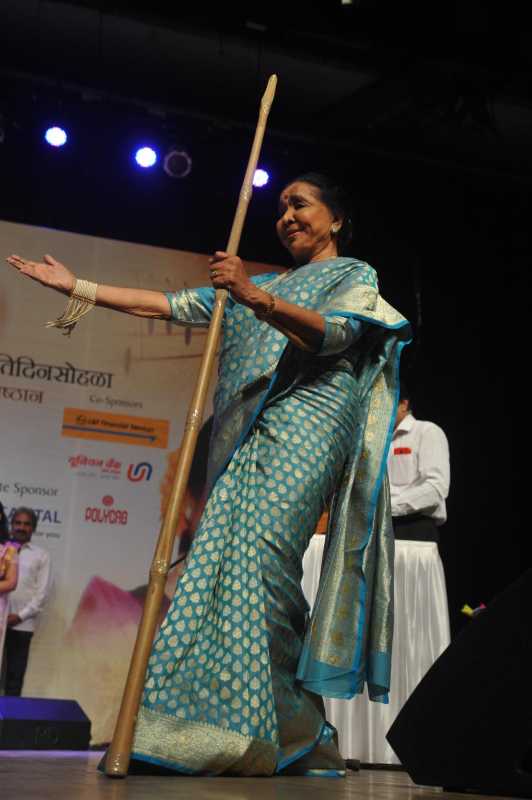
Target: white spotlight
[146,157]
[56,136]
[260,178]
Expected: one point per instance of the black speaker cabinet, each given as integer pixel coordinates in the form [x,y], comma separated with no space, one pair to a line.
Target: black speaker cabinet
[468,725]
[31,723]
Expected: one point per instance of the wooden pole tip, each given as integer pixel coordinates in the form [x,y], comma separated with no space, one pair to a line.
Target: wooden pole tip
[269,94]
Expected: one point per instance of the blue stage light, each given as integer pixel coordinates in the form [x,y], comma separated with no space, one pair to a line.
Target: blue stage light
[260,178]
[146,157]
[56,136]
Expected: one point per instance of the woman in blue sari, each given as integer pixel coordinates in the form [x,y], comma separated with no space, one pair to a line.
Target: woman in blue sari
[303,416]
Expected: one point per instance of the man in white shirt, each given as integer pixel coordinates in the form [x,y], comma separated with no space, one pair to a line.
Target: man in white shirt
[419,474]
[26,601]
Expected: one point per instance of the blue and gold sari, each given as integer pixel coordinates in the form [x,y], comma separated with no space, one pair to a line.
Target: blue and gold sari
[238,668]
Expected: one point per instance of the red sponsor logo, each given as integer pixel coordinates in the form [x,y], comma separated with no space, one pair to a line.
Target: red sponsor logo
[402,451]
[107,515]
[87,465]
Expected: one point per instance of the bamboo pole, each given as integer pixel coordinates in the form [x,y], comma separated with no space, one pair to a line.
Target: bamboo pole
[119,753]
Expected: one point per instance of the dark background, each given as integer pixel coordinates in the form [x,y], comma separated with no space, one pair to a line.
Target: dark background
[424,111]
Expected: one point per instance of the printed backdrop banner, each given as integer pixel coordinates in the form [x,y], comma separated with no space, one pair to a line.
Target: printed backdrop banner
[89,428]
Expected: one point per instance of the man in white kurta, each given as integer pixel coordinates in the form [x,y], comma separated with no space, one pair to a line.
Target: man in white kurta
[419,474]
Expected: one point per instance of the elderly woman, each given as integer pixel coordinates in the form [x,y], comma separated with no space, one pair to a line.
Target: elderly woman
[304,412]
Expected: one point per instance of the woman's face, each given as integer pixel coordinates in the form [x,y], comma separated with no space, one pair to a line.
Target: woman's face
[306,225]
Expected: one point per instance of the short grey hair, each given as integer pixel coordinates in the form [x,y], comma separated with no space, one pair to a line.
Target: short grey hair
[30,513]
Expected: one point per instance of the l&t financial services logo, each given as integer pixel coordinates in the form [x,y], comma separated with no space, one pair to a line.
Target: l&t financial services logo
[139,472]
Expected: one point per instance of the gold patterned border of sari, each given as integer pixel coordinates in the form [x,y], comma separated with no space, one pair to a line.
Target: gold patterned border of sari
[203,748]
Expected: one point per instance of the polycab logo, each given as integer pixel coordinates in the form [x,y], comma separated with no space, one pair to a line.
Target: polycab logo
[107,515]
[139,472]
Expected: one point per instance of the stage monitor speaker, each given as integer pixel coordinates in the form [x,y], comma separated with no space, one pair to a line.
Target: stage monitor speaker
[468,726]
[32,723]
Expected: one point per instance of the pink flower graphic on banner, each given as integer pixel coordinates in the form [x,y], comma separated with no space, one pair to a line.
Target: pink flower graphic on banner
[139,472]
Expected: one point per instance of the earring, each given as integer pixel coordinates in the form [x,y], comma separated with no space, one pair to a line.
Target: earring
[334,228]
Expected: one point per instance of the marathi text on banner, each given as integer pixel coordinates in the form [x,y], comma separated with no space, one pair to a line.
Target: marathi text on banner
[25,367]
[21,395]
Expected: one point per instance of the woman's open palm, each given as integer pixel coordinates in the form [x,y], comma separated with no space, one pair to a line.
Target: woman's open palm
[49,272]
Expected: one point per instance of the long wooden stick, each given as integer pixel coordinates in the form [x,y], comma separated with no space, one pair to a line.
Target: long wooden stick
[119,753]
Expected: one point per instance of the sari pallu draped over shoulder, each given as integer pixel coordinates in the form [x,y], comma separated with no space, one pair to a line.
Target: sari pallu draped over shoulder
[209,706]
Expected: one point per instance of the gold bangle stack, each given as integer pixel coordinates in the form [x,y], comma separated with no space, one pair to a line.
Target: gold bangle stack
[82,300]
[268,310]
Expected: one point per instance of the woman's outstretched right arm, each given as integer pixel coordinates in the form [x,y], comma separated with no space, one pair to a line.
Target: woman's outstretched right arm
[54,274]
